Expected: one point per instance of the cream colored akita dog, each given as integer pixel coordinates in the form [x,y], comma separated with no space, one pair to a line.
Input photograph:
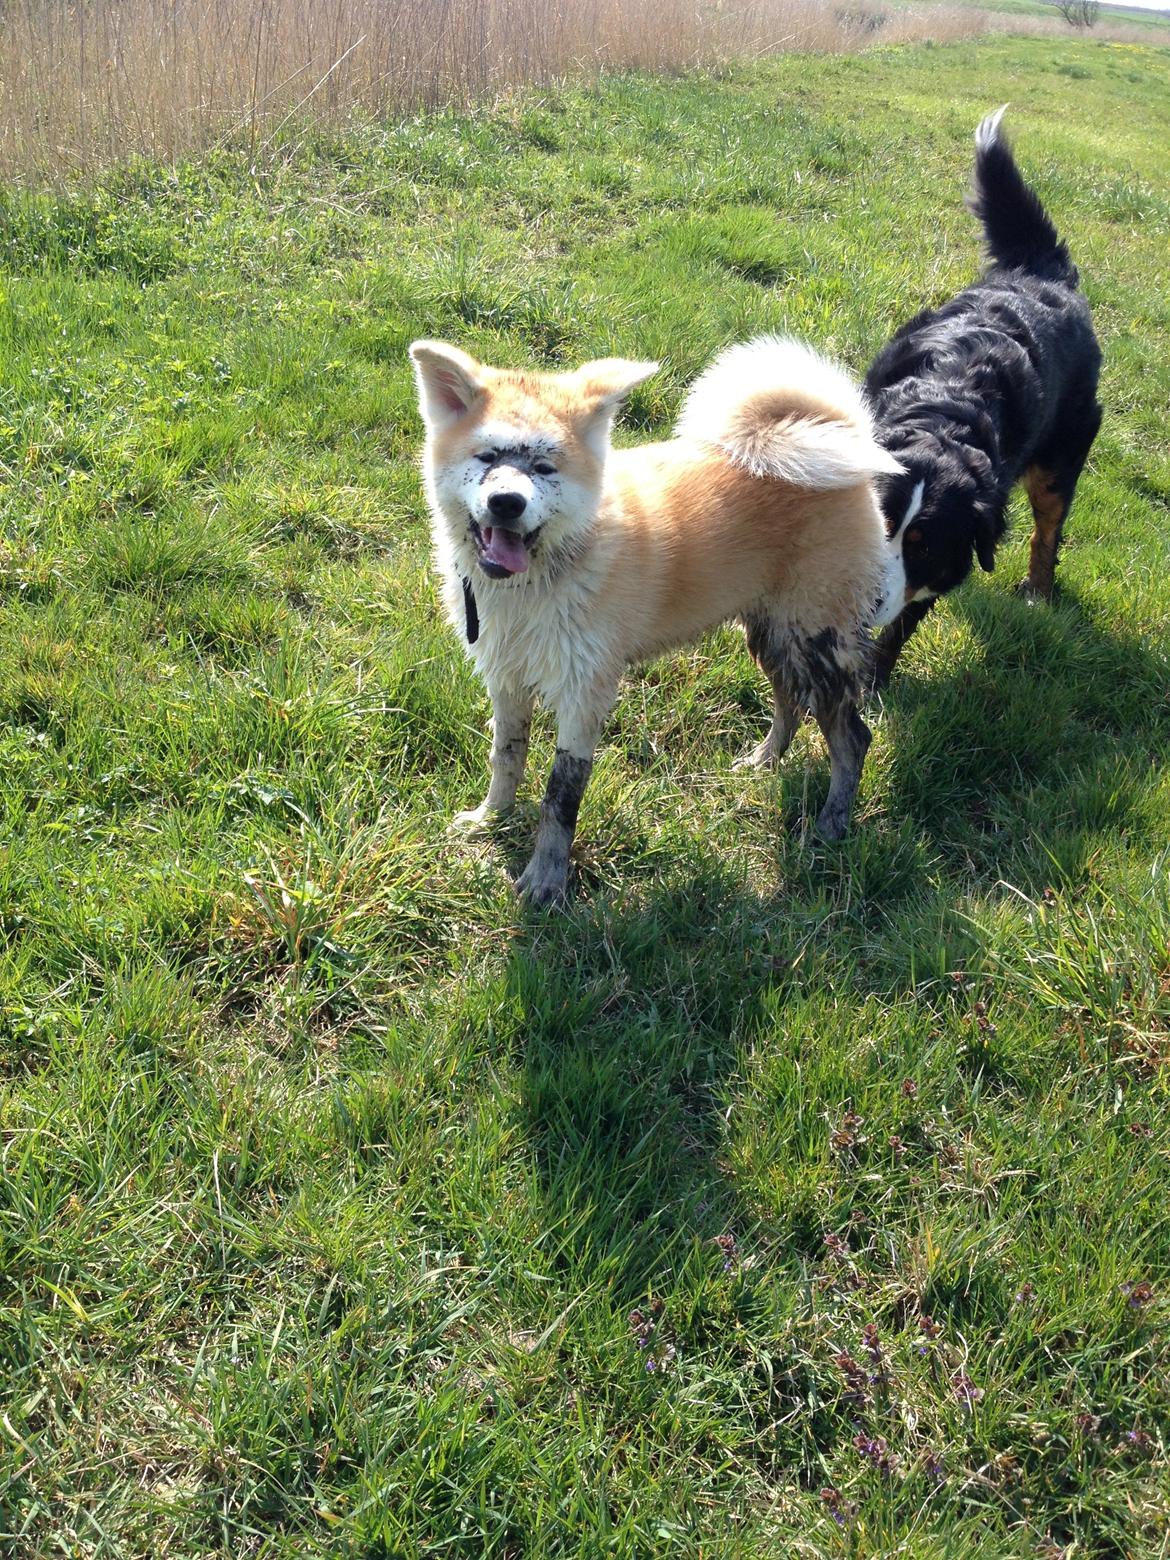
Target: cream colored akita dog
[564,560]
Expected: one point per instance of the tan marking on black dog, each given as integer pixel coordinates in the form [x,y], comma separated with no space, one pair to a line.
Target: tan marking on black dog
[1049,509]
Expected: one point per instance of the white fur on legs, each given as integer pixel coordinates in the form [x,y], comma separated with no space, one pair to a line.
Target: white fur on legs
[511,723]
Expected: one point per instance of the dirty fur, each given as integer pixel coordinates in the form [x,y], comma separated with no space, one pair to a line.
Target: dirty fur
[582,559]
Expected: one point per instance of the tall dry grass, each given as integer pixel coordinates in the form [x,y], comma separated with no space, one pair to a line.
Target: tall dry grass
[88,82]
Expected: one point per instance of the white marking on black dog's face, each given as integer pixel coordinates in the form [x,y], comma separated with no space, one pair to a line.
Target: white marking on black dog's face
[912,508]
[896,593]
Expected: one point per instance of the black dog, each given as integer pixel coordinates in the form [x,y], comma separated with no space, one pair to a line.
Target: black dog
[997,385]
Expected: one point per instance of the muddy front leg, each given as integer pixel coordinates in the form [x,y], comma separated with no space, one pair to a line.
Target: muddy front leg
[545,878]
[511,724]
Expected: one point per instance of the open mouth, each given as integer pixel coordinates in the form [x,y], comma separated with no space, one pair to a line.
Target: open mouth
[502,552]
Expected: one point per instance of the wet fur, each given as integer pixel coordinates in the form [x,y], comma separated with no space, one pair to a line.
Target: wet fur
[761,509]
[997,386]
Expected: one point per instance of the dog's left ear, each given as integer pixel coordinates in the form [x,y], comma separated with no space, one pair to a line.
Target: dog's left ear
[608,381]
[449,381]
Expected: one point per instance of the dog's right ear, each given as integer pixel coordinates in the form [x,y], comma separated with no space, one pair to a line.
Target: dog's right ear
[450,382]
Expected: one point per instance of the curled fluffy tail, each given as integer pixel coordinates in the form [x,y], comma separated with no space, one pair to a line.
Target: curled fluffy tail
[1018,231]
[780,410]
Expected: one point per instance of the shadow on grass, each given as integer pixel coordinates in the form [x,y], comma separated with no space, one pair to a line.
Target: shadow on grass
[1020,759]
[634,1010]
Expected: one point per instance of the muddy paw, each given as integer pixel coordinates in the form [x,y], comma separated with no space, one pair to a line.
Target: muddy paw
[542,883]
[762,757]
[832,823]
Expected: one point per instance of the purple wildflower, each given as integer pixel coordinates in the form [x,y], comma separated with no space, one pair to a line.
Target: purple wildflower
[1139,1295]
[837,1506]
[856,1380]
[875,1450]
[728,1246]
[964,1388]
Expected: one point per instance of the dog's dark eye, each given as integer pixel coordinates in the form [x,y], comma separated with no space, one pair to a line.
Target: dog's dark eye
[486,456]
[543,469]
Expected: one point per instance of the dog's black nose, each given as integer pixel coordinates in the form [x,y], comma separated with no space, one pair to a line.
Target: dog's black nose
[507,506]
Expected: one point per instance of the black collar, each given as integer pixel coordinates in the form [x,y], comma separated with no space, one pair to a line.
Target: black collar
[471,611]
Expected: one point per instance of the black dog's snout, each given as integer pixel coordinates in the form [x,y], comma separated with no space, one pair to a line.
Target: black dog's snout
[507,506]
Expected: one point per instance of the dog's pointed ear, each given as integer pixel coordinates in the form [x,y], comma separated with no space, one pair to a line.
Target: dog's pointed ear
[605,383]
[450,382]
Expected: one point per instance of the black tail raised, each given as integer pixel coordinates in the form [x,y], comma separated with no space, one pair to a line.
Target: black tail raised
[1018,231]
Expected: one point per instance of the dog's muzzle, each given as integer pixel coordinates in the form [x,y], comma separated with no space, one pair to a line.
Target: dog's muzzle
[502,551]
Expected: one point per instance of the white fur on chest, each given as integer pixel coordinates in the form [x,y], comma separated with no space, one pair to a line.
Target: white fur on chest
[535,635]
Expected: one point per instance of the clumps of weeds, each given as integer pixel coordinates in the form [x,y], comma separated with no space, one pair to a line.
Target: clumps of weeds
[932,1467]
[1136,1443]
[981,1033]
[651,1332]
[875,1450]
[965,1389]
[917,1139]
[879,1401]
[842,1273]
[879,1374]
[929,1332]
[856,1392]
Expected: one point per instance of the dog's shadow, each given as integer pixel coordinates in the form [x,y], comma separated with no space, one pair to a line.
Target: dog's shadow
[1017,758]
[1013,763]
[633,1008]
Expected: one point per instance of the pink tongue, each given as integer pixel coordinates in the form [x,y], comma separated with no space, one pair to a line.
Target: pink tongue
[505,548]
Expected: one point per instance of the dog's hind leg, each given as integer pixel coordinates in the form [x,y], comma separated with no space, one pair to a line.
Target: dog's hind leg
[511,723]
[1050,485]
[824,672]
[785,714]
[848,739]
[545,878]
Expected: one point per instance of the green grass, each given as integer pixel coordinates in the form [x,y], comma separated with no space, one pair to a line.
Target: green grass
[330,1176]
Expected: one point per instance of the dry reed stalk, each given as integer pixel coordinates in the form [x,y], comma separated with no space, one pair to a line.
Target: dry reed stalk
[86,83]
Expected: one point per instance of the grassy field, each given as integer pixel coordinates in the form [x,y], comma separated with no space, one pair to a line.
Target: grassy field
[775,1199]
